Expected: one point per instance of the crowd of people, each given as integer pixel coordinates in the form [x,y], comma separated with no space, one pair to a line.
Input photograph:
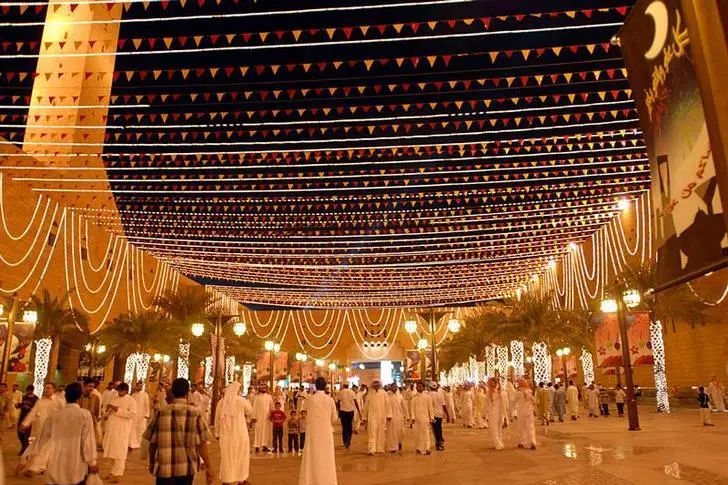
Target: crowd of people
[61,433]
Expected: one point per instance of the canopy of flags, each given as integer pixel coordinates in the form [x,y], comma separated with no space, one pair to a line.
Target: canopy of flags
[371,153]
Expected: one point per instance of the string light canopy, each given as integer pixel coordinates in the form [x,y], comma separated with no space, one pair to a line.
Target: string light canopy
[396,154]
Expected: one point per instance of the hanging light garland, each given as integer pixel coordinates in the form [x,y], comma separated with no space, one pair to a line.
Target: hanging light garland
[541,358]
[42,358]
[183,366]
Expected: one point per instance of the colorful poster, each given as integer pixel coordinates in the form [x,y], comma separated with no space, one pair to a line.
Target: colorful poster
[20,345]
[688,222]
[414,368]
[609,342]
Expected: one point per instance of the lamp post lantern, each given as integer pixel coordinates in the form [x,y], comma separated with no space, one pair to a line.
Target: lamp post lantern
[301,357]
[272,348]
[564,353]
[629,299]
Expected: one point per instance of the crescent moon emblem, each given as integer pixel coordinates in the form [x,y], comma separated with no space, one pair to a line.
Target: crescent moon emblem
[658,11]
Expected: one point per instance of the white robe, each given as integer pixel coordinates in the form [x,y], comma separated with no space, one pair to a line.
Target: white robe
[377,410]
[467,410]
[592,397]
[262,407]
[318,466]
[572,401]
[421,413]
[36,418]
[234,441]
[395,429]
[357,414]
[525,402]
[119,428]
[496,405]
[716,391]
[450,404]
[512,394]
[479,409]
[140,420]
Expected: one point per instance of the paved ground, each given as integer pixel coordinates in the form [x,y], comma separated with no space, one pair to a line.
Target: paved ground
[670,449]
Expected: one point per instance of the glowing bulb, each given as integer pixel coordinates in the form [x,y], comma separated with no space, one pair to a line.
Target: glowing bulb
[572,246]
[453,325]
[165,358]
[157,357]
[198,329]
[623,204]
[552,263]
[30,316]
[631,298]
[320,363]
[100,349]
[609,306]
[239,328]
[362,367]
[422,344]
[410,326]
[269,344]
[332,366]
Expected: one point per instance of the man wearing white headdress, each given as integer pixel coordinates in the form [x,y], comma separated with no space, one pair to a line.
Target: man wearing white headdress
[232,415]
[395,429]
[479,408]
[525,402]
[496,407]
[421,413]
[318,466]
[467,407]
[376,415]
[263,405]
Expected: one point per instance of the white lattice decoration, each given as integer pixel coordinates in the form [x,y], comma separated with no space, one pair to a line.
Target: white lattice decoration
[209,371]
[183,365]
[490,359]
[247,376]
[482,375]
[658,353]
[587,365]
[472,370]
[142,368]
[541,359]
[517,355]
[229,369]
[131,364]
[443,378]
[42,358]
[502,363]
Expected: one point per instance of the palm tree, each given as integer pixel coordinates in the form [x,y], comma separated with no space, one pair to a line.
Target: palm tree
[478,331]
[55,320]
[675,304]
[186,306]
[142,332]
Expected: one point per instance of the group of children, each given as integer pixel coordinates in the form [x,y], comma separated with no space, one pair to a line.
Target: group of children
[296,430]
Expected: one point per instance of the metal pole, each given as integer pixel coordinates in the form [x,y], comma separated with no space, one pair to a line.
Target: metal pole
[566,376]
[632,415]
[8,340]
[272,369]
[434,345]
[92,359]
[216,381]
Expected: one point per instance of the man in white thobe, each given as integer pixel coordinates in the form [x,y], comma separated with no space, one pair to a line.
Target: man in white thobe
[716,390]
[106,397]
[468,404]
[35,419]
[495,399]
[395,429]
[360,401]
[262,407]
[420,410]
[68,435]
[479,408]
[121,412]
[232,415]
[377,413]
[143,411]
[525,402]
[318,466]
[450,404]
[195,398]
[572,401]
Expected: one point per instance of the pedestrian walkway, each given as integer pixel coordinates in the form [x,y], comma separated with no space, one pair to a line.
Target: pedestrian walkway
[671,449]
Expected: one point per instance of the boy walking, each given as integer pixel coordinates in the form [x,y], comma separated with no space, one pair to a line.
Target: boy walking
[604,401]
[704,403]
[293,428]
[302,429]
[278,418]
[619,396]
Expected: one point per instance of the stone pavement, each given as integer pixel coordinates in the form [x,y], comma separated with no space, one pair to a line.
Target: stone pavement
[670,449]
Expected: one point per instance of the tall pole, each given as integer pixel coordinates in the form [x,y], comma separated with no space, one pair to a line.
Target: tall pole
[434,345]
[272,369]
[8,340]
[563,364]
[632,416]
[217,377]
[92,359]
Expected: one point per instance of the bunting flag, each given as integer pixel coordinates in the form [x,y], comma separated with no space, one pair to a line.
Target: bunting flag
[322,158]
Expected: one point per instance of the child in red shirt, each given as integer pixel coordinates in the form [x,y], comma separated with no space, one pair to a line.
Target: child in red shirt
[278,418]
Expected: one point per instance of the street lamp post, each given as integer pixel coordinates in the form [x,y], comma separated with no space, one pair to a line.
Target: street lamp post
[422,346]
[273,348]
[431,317]
[94,348]
[218,360]
[301,357]
[629,299]
[564,353]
